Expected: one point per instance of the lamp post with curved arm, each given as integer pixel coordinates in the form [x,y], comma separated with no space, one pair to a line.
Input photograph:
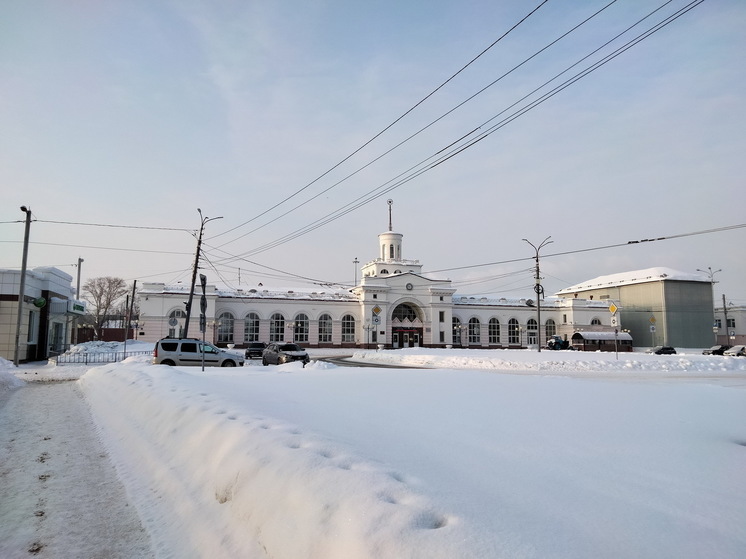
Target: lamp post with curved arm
[712,273]
[538,288]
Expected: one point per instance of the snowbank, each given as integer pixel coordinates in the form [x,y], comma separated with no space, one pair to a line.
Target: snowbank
[8,380]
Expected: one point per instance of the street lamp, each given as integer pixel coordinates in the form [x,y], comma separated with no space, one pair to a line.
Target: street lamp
[291,325]
[710,273]
[368,327]
[22,287]
[458,332]
[538,288]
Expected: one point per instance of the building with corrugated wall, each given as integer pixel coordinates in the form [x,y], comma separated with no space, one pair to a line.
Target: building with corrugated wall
[658,306]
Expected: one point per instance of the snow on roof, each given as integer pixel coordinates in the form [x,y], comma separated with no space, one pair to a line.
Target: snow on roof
[256,293]
[636,276]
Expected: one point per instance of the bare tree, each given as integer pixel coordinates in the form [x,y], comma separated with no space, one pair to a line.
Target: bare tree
[103,294]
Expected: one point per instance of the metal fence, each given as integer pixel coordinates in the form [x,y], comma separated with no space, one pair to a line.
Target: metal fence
[87,358]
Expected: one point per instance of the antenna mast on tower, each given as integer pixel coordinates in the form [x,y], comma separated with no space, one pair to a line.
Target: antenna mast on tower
[390,203]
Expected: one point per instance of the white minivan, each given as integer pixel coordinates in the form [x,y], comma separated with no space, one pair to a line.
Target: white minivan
[175,351]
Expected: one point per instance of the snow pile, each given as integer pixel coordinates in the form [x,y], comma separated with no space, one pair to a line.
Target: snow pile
[443,463]
[8,380]
[555,362]
[253,480]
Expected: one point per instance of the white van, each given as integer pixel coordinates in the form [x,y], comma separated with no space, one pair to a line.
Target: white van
[175,351]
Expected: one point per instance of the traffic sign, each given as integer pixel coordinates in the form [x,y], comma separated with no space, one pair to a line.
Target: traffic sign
[652,328]
[613,308]
[652,321]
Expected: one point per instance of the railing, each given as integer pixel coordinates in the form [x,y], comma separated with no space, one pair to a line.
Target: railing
[87,358]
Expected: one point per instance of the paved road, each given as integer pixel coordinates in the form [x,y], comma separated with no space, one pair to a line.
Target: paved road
[59,493]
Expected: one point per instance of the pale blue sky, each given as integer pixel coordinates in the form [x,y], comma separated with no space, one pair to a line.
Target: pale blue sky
[138,113]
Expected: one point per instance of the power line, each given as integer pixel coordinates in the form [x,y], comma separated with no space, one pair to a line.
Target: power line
[114,226]
[427,126]
[442,155]
[101,248]
[601,247]
[515,26]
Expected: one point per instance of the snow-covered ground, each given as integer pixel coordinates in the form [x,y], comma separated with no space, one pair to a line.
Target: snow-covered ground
[480,454]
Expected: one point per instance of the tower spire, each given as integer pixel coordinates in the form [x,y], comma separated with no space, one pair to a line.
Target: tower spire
[390,203]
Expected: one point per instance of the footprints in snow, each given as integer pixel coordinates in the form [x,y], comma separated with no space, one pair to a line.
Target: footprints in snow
[420,517]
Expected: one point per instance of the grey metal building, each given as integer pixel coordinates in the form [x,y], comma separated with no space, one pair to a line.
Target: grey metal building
[657,306]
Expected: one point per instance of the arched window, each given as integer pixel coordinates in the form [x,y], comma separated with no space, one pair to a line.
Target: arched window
[348,328]
[251,328]
[300,331]
[277,328]
[325,329]
[384,271]
[494,331]
[391,252]
[532,331]
[474,331]
[225,328]
[595,322]
[514,332]
[176,331]
[405,311]
[551,328]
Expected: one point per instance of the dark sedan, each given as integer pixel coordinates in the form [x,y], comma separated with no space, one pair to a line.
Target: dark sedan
[662,350]
[716,350]
[280,353]
[255,350]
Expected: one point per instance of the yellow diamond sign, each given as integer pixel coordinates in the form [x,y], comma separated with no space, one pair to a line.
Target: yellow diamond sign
[613,308]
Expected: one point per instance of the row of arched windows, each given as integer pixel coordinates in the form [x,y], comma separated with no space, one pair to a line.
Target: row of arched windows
[280,329]
[473,331]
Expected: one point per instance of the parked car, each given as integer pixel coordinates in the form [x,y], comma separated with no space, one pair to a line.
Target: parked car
[716,350]
[662,350]
[736,351]
[188,351]
[255,350]
[279,353]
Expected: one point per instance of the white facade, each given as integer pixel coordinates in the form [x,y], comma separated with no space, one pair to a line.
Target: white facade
[735,332]
[47,313]
[393,306]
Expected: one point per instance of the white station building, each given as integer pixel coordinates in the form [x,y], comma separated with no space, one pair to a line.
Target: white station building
[393,306]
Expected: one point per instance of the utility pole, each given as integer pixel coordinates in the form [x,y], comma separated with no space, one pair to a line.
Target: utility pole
[196,266]
[710,273]
[538,288]
[22,288]
[725,312]
[77,296]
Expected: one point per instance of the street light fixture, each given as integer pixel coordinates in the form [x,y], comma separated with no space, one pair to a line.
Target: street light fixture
[291,326]
[710,273]
[368,327]
[538,288]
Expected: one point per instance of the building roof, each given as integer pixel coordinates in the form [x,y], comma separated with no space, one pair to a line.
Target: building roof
[634,277]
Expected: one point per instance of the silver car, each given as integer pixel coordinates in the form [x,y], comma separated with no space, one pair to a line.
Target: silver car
[174,351]
[736,351]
